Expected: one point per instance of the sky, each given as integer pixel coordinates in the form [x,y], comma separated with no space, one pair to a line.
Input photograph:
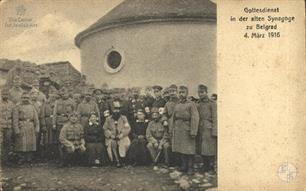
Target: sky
[52,27]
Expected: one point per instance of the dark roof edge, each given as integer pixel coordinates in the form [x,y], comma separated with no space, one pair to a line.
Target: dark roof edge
[79,37]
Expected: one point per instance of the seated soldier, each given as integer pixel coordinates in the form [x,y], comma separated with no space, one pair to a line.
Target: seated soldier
[94,138]
[72,141]
[116,130]
[157,137]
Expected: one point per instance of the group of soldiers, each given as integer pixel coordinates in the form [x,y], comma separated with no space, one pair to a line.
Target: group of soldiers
[98,127]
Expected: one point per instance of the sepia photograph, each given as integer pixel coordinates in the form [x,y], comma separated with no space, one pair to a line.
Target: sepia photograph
[108,95]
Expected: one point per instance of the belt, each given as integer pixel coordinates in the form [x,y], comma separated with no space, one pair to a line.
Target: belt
[179,119]
[26,120]
[63,115]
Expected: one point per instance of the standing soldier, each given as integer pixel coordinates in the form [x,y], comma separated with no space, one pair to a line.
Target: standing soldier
[184,124]
[26,128]
[72,140]
[16,91]
[159,102]
[116,130]
[77,99]
[168,111]
[6,108]
[207,137]
[41,97]
[86,107]
[103,104]
[50,140]
[148,101]
[133,105]
[38,104]
[157,137]
[62,108]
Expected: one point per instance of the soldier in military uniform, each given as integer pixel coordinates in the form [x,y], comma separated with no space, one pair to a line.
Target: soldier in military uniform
[207,137]
[26,128]
[77,99]
[62,108]
[6,108]
[72,141]
[116,131]
[159,101]
[49,135]
[86,107]
[168,111]
[16,91]
[184,125]
[103,104]
[134,104]
[158,138]
[41,97]
[34,94]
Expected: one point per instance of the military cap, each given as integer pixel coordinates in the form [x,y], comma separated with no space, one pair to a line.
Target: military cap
[172,87]
[93,113]
[97,90]
[35,82]
[202,87]
[157,87]
[25,95]
[74,113]
[87,92]
[183,88]
[154,110]
[140,110]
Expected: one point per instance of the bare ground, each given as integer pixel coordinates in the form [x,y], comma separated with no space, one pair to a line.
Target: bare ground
[49,177]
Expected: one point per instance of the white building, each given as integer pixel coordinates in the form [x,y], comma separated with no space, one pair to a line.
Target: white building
[147,42]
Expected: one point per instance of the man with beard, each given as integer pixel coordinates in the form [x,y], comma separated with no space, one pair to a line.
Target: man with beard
[16,91]
[26,128]
[62,108]
[6,108]
[157,137]
[103,104]
[184,124]
[86,107]
[116,131]
[72,141]
[207,137]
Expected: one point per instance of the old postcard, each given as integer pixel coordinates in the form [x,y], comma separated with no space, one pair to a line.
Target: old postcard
[152,95]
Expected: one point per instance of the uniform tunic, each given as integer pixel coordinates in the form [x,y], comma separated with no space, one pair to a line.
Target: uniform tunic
[207,137]
[184,123]
[72,135]
[62,108]
[26,125]
[159,103]
[46,123]
[6,109]
[156,132]
[168,111]
[115,128]
[85,109]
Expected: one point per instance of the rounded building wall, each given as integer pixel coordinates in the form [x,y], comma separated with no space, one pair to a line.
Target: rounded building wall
[153,53]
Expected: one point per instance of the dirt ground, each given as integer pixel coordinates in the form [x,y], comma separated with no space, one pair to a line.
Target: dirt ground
[49,177]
